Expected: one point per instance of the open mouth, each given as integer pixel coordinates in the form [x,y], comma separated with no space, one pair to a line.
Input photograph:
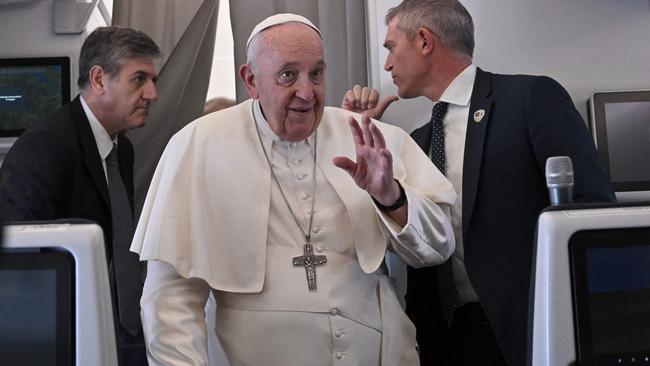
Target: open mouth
[142,111]
[301,109]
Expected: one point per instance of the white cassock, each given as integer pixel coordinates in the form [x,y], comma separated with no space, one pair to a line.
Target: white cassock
[214,220]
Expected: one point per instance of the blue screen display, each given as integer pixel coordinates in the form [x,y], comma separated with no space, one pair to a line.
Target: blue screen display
[619,298]
[28,314]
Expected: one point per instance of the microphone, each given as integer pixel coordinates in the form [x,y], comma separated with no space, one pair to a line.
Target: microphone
[559,179]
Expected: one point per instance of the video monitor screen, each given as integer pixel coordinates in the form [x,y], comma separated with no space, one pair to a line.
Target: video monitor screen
[611,285]
[31,88]
[621,126]
[36,308]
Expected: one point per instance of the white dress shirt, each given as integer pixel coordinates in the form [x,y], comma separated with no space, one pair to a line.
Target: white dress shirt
[102,138]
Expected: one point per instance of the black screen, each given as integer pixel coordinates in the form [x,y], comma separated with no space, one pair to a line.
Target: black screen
[621,123]
[628,136]
[36,308]
[611,283]
[29,89]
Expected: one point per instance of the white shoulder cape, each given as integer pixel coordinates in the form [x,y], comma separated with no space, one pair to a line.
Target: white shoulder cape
[206,212]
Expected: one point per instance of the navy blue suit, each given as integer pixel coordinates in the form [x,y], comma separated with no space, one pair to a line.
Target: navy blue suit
[527,119]
[54,171]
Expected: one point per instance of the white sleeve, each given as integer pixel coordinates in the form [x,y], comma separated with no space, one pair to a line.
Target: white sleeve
[173,317]
[427,238]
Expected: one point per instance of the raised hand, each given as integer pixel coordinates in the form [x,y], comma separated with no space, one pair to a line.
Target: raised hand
[373,169]
[365,100]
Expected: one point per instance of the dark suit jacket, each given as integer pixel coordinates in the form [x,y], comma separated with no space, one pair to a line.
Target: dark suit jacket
[54,171]
[527,119]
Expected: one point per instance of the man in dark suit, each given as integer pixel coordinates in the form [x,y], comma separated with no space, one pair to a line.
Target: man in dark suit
[494,134]
[76,163]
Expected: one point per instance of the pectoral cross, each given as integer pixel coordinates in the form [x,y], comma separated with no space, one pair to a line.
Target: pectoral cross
[310,261]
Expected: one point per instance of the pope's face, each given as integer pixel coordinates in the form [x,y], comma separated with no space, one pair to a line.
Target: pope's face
[288,78]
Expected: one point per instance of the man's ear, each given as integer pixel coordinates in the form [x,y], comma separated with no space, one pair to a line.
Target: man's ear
[97,78]
[248,77]
[427,39]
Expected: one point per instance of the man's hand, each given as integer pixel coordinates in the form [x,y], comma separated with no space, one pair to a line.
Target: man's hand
[365,100]
[373,170]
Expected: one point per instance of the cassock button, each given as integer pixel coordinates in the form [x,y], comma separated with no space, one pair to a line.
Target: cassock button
[339,333]
[339,355]
[334,312]
[316,230]
[292,144]
[306,196]
[320,248]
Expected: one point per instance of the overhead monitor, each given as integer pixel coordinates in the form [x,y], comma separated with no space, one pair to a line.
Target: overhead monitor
[55,300]
[620,124]
[29,89]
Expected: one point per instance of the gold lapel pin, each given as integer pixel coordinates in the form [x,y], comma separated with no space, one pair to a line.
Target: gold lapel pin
[478,115]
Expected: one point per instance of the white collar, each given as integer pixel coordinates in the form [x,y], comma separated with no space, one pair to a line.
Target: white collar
[103,140]
[459,91]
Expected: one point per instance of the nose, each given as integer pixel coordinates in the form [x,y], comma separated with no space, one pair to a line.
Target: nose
[150,92]
[304,89]
[388,65]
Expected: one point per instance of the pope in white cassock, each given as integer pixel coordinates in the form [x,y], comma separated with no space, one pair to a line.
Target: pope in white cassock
[284,209]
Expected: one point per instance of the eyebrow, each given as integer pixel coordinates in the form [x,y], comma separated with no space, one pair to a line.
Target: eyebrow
[145,73]
[320,63]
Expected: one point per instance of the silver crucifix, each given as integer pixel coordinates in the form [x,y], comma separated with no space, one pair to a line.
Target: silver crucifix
[310,261]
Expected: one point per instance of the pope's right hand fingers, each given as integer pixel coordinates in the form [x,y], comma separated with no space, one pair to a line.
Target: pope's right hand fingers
[368,138]
[357,133]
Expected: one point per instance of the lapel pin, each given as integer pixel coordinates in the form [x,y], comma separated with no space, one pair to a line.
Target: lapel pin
[478,115]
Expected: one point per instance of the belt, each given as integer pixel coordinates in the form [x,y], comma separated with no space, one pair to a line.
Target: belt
[470,313]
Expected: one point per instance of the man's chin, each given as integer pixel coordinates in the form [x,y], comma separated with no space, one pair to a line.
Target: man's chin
[138,123]
[405,94]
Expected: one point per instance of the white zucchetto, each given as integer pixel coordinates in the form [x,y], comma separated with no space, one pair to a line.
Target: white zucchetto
[280,19]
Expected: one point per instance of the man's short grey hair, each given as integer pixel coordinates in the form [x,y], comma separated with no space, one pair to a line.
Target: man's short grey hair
[109,47]
[448,19]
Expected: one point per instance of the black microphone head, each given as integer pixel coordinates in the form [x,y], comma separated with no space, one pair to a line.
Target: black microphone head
[559,172]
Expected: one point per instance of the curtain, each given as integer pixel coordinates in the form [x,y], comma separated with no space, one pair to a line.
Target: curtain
[342,23]
[185,31]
